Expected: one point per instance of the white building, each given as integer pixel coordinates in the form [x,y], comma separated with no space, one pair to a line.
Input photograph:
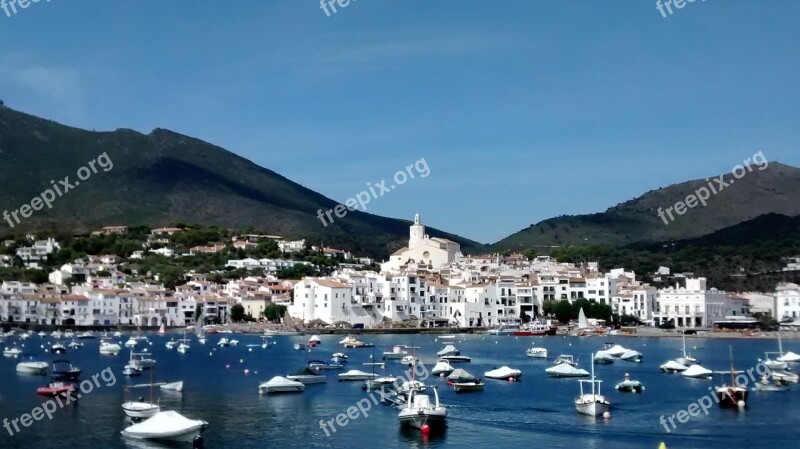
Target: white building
[694,306]
[291,246]
[423,250]
[787,305]
[324,299]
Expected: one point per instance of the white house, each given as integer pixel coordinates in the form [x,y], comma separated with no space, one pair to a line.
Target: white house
[324,299]
[787,305]
[694,305]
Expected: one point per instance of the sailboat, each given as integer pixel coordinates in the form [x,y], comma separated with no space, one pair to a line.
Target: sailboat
[686,360]
[583,323]
[198,329]
[183,347]
[162,330]
[139,408]
[593,404]
[733,394]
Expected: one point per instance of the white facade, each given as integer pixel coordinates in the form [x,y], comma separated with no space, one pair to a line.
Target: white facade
[423,250]
[787,302]
[694,306]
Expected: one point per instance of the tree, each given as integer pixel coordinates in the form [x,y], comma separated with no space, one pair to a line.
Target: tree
[237,313]
[563,311]
[274,312]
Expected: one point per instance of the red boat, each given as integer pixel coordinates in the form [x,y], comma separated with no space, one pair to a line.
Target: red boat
[55,389]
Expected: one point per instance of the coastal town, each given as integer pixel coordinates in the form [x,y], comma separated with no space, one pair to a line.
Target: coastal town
[428,283]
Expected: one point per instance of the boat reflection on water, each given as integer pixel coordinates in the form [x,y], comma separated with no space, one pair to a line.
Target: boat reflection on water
[150,444]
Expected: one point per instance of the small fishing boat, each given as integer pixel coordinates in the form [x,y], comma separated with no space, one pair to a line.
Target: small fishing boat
[86,335]
[280,384]
[75,345]
[764,384]
[565,358]
[32,365]
[419,413]
[307,376]
[594,403]
[409,360]
[356,375]
[223,342]
[132,342]
[140,408]
[315,340]
[461,375]
[466,387]
[166,426]
[629,386]
[55,389]
[537,353]
[398,352]
[172,344]
[64,370]
[339,358]
[733,394]
[108,348]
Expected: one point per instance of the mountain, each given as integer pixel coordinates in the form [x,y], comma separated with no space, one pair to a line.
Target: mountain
[760,192]
[165,177]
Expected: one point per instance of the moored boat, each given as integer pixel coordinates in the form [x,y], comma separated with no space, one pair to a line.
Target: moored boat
[419,413]
[167,426]
[279,384]
[537,353]
[55,389]
[594,403]
[629,386]
[503,373]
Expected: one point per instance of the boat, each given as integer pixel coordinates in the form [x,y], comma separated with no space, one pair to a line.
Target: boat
[12,352]
[284,333]
[300,346]
[537,353]
[315,340]
[32,365]
[789,357]
[764,384]
[56,389]
[442,368]
[629,386]
[419,413]
[172,344]
[108,348]
[565,358]
[456,359]
[358,344]
[566,370]
[446,337]
[697,372]
[117,334]
[409,386]
[409,360]
[172,386]
[143,362]
[631,356]
[166,426]
[673,367]
[184,347]
[280,384]
[503,373]
[138,408]
[85,335]
[461,375]
[323,365]
[785,376]
[265,342]
[733,394]
[614,350]
[397,352]
[58,348]
[69,334]
[594,403]
[42,334]
[603,358]
[686,359]
[379,382]
[223,342]
[162,330]
[57,334]
[448,350]
[234,342]
[583,323]
[132,342]
[307,376]
[505,329]
[356,375]
[348,339]
[536,329]
[466,387]
[780,365]
[74,345]
[64,370]
[339,358]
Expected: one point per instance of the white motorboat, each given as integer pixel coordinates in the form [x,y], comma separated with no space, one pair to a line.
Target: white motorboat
[183,348]
[419,412]
[169,426]
[448,350]
[87,334]
[131,371]
[397,352]
[339,358]
[442,368]
[131,343]
[789,357]
[594,403]
[506,329]
[629,386]
[673,367]
[69,334]
[56,334]
[144,361]
[461,375]
[42,334]
[109,348]
[307,376]
[356,375]
[279,384]
[409,386]
[117,334]
[323,365]
[379,382]
[409,360]
[614,350]
[348,339]
[503,373]
[786,376]
[537,353]
[172,344]
[566,370]
[32,366]
[234,342]
[172,386]
[603,358]
[565,358]
[697,372]
[75,345]
[12,352]
[223,342]
[446,337]
[764,384]
[285,333]
[58,348]
[315,340]
[631,356]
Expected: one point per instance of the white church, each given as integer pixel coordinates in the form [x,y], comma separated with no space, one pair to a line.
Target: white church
[423,250]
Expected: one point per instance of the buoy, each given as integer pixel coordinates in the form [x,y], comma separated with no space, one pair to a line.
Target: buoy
[607,415]
[250,349]
[241,360]
[425,429]
[510,379]
[228,366]
[441,374]
[210,353]
[246,372]
[741,404]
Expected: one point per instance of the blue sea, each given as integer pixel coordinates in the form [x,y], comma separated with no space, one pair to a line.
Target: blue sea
[536,411]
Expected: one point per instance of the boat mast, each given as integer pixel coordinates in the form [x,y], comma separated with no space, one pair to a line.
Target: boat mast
[733,375]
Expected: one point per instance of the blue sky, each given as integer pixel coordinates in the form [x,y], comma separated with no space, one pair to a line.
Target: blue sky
[523,110]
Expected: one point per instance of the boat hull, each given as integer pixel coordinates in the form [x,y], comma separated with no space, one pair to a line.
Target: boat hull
[466,387]
[140,409]
[729,397]
[308,380]
[592,408]
[416,419]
